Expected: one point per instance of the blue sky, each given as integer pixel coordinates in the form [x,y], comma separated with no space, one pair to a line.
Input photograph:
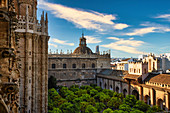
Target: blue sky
[127,27]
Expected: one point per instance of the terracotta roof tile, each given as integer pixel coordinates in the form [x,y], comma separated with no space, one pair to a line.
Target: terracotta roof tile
[161,78]
[131,76]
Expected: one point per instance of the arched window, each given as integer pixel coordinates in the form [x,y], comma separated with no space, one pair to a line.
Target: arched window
[83,66]
[64,65]
[93,65]
[53,66]
[117,89]
[74,66]
[100,84]
[105,85]
[124,92]
[136,94]
[111,87]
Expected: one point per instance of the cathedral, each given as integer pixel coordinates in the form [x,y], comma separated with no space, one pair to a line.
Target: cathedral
[79,67]
[23,58]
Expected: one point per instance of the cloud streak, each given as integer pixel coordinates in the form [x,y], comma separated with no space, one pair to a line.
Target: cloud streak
[92,40]
[62,42]
[113,38]
[164,16]
[81,18]
[128,46]
[54,45]
[149,28]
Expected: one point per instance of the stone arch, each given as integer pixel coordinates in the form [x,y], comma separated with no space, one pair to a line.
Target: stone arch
[117,89]
[147,99]
[136,94]
[105,86]
[100,84]
[111,88]
[124,92]
[160,103]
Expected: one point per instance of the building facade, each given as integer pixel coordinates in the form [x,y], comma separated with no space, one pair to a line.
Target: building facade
[9,72]
[27,42]
[33,57]
[145,83]
[79,67]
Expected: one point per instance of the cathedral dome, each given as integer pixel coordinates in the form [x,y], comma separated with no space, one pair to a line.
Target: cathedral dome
[82,49]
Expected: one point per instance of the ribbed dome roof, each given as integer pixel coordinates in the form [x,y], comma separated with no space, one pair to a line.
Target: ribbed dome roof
[82,50]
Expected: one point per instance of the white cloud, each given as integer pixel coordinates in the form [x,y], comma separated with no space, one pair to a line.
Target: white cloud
[54,45]
[164,16]
[61,42]
[131,38]
[81,18]
[114,38]
[142,31]
[128,46]
[150,28]
[121,26]
[92,40]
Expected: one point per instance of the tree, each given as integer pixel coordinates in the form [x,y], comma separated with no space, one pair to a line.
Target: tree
[93,92]
[80,92]
[63,91]
[141,105]
[83,106]
[101,97]
[74,88]
[119,95]
[120,111]
[125,107]
[108,92]
[85,97]
[114,102]
[99,106]
[67,107]
[154,109]
[130,100]
[55,110]
[98,88]
[87,88]
[136,111]
[52,82]
[90,109]
[70,96]
[76,100]
[108,110]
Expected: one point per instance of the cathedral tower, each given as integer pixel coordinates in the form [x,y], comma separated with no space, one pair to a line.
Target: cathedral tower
[33,55]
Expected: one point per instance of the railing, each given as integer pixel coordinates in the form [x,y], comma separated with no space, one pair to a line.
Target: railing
[29,25]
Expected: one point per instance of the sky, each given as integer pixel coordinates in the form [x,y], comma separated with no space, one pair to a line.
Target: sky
[128,28]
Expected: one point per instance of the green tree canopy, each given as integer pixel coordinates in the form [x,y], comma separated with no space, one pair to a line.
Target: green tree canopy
[108,110]
[90,109]
[114,102]
[125,107]
[130,100]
